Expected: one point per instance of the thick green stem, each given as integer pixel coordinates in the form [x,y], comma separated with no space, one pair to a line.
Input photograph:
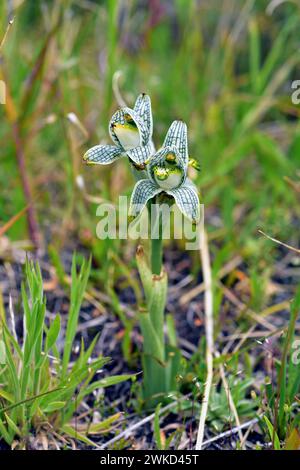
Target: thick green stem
[156,256]
[160,362]
[156,243]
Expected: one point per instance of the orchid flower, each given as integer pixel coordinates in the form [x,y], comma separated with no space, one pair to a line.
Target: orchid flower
[131,131]
[164,175]
[167,173]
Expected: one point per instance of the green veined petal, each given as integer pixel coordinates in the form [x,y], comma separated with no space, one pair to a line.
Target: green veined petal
[142,192]
[187,200]
[141,154]
[177,137]
[102,154]
[142,108]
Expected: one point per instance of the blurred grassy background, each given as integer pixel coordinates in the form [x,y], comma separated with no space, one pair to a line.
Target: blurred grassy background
[224,67]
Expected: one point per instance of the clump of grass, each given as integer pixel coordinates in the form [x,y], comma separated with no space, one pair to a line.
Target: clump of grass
[40,387]
[281,418]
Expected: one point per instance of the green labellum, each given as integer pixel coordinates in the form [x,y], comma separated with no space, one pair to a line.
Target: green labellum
[167,178]
[127,134]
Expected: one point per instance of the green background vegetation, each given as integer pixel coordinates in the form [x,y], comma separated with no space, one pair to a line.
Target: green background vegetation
[225,68]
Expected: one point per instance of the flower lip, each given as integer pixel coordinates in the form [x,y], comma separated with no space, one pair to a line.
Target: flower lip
[166,168]
[127,129]
[127,134]
[168,178]
[161,173]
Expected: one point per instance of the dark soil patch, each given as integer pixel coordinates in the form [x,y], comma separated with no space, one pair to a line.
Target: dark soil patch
[189,319]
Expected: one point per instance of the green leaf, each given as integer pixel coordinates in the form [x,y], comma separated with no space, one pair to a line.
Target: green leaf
[158,303]
[255,54]
[54,406]
[7,396]
[157,435]
[12,425]
[276,51]
[8,436]
[144,272]
[171,328]
[2,353]
[152,345]
[293,374]
[53,333]
[107,382]
[154,381]
[14,381]
[282,380]
[272,433]
[173,358]
[103,426]
[30,399]
[67,429]
[78,287]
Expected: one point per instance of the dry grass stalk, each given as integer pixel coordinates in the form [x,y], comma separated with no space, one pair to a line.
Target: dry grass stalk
[208,306]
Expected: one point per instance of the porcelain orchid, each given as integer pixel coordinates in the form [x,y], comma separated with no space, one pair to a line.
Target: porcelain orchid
[167,173]
[131,131]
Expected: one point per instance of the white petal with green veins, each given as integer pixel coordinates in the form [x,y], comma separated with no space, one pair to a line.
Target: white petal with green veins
[140,154]
[102,154]
[177,137]
[143,191]
[187,200]
[142,108]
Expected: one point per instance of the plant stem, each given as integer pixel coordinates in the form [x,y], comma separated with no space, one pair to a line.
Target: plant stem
[156,243]
[156,256]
